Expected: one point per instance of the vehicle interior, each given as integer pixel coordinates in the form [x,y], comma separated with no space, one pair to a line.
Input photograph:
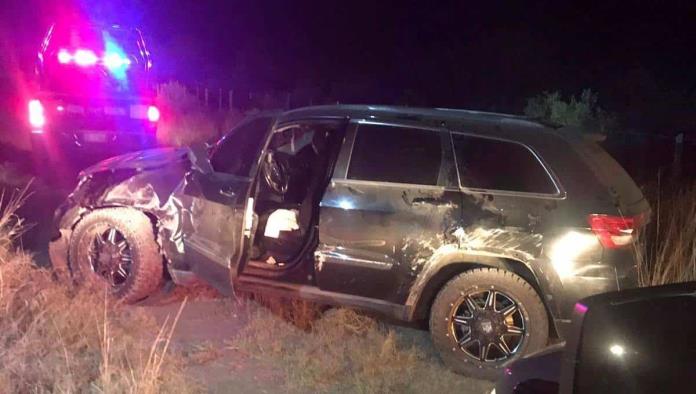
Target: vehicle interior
[291,180]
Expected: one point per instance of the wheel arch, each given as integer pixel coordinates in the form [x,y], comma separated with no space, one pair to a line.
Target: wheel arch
[422,297]
[150,215]
[164,223]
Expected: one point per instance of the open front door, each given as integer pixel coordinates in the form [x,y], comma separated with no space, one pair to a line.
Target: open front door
[216,204]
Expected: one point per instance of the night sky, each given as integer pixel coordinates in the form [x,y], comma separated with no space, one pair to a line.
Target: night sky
[491,55]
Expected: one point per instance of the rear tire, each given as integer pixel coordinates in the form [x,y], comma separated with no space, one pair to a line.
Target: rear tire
[481,323]
[131,228]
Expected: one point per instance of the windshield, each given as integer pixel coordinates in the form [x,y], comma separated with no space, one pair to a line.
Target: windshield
[238,151]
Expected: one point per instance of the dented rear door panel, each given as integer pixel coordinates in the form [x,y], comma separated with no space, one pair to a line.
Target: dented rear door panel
[374,238]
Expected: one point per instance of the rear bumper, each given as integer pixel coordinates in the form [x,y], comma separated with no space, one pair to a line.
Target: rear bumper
[99,126]
[616,271]
[73,140]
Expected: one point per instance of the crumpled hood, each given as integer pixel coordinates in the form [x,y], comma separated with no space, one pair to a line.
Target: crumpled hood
[141,160]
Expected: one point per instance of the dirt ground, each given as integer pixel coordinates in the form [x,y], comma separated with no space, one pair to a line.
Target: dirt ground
[202,336]
[205,336]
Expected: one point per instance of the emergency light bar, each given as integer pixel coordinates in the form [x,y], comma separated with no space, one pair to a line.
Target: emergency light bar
[87,58]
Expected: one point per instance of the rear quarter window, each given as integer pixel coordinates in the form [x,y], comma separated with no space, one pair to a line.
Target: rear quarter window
[492,164]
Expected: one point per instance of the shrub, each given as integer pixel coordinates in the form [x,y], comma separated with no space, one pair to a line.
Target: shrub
[184,120]
[173,97]
[582,112]
[186,129]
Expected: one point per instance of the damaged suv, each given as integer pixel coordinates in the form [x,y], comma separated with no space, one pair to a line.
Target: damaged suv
[486,226]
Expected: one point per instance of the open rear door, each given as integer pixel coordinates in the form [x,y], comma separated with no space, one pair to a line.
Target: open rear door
[216,204]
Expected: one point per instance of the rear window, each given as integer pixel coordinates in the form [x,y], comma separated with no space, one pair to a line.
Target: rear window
[396,154]
[491,164]
[613,176]
[96,38]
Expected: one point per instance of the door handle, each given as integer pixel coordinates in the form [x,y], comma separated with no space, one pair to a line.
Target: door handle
[226,192]
[353,190]
[428,201]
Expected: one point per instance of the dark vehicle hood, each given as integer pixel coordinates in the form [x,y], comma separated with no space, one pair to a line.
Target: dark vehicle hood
[539,372]
[142,160]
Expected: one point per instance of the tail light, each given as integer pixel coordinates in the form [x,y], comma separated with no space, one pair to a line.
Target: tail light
[614,231]
[37,118]
[153,114]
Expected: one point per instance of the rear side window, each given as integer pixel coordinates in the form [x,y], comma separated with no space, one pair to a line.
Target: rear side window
[396,154]
[500,165]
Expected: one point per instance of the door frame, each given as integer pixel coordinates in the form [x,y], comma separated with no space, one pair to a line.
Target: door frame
[342,123]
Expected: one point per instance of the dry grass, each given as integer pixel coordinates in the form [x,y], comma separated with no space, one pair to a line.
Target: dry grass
[343,351]
[12,175]
[57,338]
[671,255]
[186,128]
[186,121]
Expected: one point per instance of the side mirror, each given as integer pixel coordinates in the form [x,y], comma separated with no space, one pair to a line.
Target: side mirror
[639,340]
[198,154]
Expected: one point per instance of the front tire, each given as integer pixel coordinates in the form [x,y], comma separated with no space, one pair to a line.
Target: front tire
[117,247]
[485,318]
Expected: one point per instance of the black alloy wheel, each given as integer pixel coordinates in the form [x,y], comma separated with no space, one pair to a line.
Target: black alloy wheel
[117,247]
[487,325]
[485,318]
[110,256]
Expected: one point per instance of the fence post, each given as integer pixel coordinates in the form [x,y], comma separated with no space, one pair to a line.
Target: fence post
[677,159]
[205,93]
[219,99]
[230,99]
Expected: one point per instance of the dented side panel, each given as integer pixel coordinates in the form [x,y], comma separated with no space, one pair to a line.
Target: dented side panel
[374,238]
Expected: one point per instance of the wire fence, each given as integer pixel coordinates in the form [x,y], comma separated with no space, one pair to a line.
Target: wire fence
[224,99]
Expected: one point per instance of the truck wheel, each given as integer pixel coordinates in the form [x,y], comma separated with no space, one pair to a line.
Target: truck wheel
[117,247]
[483,319]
